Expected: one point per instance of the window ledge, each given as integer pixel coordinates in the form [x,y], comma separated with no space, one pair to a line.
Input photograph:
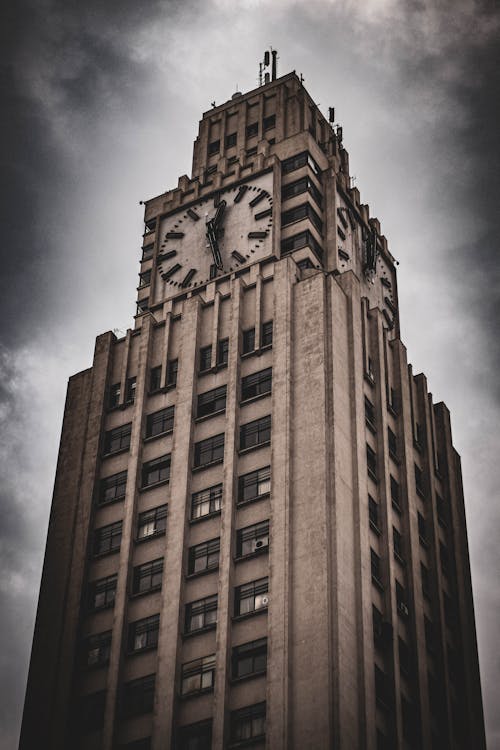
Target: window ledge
[255,398]
[375,528]
[243,678]
[138,594]
[98,555]
[203,572]
[164,389]
[394,457]
[371,426]
[207,416]
[257,352]
[392,410]
[372,476]
[206,629]
[400,559]
[116,453]
[195,693]
[213,370]
[418,446]
[142,539]
[207,466]
[246,743]
[421,494]
[205,517]
[370,379]
[378,583]
[152,486]
[109,502]
[423,542]
[243,451]
[139,651]
[243,503]
[246,615]
[397,507]
[95,610]
[260,551]
[151,438]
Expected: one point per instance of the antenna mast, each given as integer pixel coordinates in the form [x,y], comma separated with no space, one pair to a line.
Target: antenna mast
[268,68]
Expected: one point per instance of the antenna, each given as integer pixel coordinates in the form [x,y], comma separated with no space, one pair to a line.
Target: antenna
[331,114]
[270,61]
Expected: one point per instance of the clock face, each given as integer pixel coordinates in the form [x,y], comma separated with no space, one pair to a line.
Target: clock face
[216,235]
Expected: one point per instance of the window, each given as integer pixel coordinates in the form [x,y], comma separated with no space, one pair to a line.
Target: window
[90,714]
[206,502]
[222,352]
[255,433]
[160,422]
[130,390]
[254,485]
[304,185]
[147,251]
[213,148]
[269,122]
[142,306]
[112,488]
[145,278]
[155,378]
[97,649]
[256,384]
[369,414]
[102,593]
[419,481]
[205,358]
[393,445]
[404,657]
[157,470]
[395,494]
[231,140]
[299,160]
[143,634]
[204,556]
[373,514]
[201,614]
[305,264]
[252,129]
[149,226]
[371,463]
[211,402]
[114,395]
[251,597]
[375,568]
[249,659]
[248,723]
[152,522]
[424,573]
[393,400]
[419,435]
[249,341]
[107,539]
[172,368]
[303,239]
[401,600]
[422,529]
[138,696]
[195,736]
[252,539]
[298,213]
[117,439]
[397,541]
[266,336]
[198,675]
[148,576]
[209,451]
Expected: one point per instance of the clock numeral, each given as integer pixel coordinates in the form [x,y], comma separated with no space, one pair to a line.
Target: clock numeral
[386,282]
[170,272]
[258,198]
[237,256]
[343,254]
[263,214]
[174,235]
[192,214]
[241,192]
[392,307]
[257,235]
[187,278]
[167,256]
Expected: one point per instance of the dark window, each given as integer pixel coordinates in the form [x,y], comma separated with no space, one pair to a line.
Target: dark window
[249,341]
[160,422]
[249,659]
[304,185]
[404,657]
[102,593]
[205,358]
[373,514]
[143,634]
[198,675]
[117,439]
[255,433]
[90,714]
[410,722]
[382,689]
[248,723]
[269,122]
[152,522]
[305,264]
[157,470]
[393,444]
[422,529]
[148,576]
[251,597]
[114,395]
[419,434]
[442,511]
[231,140]
[145,278]
[254,485]
[195,736]
[138,696]
[430,636]
[147,251]
[371,462]
[108,538]
[393,400]
[97,649]
[424,573]
[375,567]
[206,502]
[444,558]
[377,624]
[299,160]
[450,612]
[209,451]
[256,384]
[172,368]
[211,402]
[201,614]
[266,337]
[304,211]
[130,391]
[112,488]
[369,413]
[252,129]
[155,378]
[214,147]
[252,539]
[419,481]
[204,556]
[395,494]
[222,352]
[251,151]
[149,226]
[401,600]
[142,306]
[303,239]
[397,540]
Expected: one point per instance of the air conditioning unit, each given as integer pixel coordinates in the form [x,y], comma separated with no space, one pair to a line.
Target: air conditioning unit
[260,543]
[265,601]
[403,609]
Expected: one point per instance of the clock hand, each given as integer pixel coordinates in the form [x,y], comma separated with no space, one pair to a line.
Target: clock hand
[211,234]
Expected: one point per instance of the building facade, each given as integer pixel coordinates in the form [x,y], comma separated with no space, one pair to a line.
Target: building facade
[257,534]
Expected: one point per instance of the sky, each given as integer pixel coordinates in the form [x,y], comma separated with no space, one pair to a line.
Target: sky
[100,106]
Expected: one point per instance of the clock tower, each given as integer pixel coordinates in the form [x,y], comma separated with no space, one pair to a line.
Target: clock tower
[258,532]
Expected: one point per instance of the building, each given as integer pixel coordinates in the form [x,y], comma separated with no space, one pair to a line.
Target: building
[257,534]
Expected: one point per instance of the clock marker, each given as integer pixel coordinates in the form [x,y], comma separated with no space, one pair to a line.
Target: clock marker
[167,256]
[386,282]
[236,255]
[257,235]
[187,278]
[258,198]
[263,214]
[174,235]
[192,213]
[167,274]
[241,192]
